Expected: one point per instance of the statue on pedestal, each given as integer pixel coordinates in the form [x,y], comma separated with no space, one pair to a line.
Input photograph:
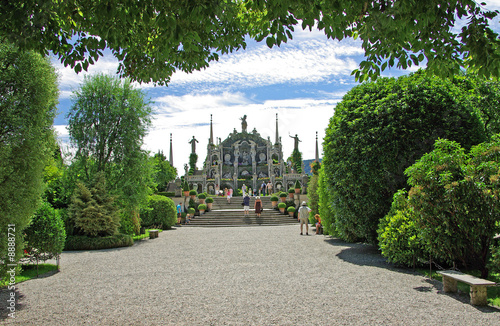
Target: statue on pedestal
[244,123]
[193,145]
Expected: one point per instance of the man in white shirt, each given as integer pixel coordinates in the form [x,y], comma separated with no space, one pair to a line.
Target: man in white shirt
[304,217]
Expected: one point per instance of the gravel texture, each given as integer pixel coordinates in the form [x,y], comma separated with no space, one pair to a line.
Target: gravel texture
[239,276]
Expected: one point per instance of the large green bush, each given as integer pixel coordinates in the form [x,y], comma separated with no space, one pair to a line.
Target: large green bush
[161,213]
[324,205]
[45,235]
[399,238]
[456,198]
[378,130]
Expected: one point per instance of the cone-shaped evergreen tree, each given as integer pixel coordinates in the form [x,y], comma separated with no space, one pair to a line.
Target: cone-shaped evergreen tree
[93,211]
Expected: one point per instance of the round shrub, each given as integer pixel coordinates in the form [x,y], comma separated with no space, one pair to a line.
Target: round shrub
[193,193]
[274,198]
[209,200]
[202,207]
[82,242]
[291,191]
[202,196]
[191,211]
[46,234]
[161,212]
[380,129]
[283,194]
[282,205]
[290,209]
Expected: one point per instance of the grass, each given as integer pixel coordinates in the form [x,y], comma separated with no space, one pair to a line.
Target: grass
[493,291]
[29,272]
[145,235]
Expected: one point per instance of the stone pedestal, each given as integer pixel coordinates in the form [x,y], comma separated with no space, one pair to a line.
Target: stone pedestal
[478,295]
[449,284]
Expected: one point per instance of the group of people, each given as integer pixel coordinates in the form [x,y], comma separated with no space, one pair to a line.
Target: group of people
[257,205]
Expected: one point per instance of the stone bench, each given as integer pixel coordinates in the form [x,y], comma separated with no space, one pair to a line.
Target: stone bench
[153,234]
[478,293]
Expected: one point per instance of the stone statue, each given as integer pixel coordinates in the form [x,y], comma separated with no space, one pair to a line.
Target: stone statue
[296,144]
[227,159]
[244,123]
[246,158]
[262,158]
[193,145]
[186,168]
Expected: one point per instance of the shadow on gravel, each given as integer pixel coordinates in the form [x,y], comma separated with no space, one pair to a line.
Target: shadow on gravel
[359,253]
[10,307]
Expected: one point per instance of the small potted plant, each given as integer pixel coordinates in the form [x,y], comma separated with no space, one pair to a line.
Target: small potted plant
[291,192]
[185,189]
[191,211]
[297,187]
[283,196]
[209,202]
[282,207]
[202,208]
[274,200]
[291,211]
[202,197]
[193,194]
[183,218]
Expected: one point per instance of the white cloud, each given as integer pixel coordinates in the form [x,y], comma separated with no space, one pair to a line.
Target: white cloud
[306,61]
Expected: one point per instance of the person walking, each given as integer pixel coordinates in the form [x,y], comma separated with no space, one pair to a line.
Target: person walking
[304,217]
[246,205]
[263,188]
[258,206]
[244,190]
[179,212]
[269,188]
[229,195]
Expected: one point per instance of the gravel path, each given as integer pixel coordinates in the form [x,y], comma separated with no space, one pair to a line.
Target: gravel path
[239,276]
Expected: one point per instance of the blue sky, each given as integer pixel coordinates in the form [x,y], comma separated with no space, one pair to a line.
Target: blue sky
[302,81]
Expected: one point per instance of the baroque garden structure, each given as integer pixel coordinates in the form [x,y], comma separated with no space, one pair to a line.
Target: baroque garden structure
[244,158]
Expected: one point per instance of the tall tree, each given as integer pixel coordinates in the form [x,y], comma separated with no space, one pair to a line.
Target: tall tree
[164,172]
[28,98]
[107,124]
[152,39]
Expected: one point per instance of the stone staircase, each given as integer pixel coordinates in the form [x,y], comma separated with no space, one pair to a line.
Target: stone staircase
[224,214]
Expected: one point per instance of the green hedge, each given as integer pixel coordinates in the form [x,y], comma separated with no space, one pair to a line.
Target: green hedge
[82,242]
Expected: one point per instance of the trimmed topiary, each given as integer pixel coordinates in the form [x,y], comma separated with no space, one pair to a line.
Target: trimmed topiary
[291,191]
[290,209]
[283,194]
[193,193]
[202,207]
[274,198]
[282,205]
[202,196]
[82,242]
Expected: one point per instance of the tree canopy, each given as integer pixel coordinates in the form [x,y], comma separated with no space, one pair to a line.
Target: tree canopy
[152,39]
